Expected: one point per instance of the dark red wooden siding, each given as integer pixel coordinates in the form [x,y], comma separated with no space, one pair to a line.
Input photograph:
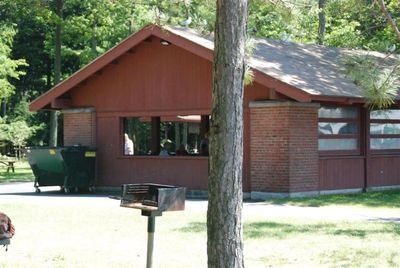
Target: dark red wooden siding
[154,80]
[384,171]
[341,173]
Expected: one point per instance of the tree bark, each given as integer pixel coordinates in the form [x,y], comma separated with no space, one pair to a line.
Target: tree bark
[391,22]
[224,215]
[57,72]
[321,21]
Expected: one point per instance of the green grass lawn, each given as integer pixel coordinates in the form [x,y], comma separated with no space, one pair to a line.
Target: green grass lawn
[50,234]
[23,172]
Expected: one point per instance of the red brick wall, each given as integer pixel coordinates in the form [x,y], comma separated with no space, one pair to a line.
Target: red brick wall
[284,147]
[79,128]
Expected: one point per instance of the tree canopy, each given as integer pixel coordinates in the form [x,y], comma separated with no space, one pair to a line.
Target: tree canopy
[27,43]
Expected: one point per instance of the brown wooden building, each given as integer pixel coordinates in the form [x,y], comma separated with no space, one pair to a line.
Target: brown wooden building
[306,130]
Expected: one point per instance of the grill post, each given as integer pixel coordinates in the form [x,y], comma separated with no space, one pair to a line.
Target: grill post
[151,226]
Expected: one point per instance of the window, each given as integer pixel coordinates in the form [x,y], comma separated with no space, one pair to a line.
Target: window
[172,135]
[137,129]
[180,138]
[385,129]
[338,129]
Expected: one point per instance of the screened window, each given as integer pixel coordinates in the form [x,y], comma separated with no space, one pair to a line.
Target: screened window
[385,129]
[172,135]
[138,132]
[338,129]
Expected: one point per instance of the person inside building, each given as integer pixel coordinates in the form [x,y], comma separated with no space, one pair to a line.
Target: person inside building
[182,150]
[204,145]
[164,149]
[128,148]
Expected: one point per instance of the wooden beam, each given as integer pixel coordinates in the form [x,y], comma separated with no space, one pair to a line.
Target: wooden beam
[155,135]
[61,103]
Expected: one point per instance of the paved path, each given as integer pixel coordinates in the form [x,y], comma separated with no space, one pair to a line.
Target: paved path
[25,192]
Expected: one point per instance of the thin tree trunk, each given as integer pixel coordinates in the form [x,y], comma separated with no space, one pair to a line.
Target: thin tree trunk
[4,108]
[57,72]
[224,215]
[391,22]
[321,21]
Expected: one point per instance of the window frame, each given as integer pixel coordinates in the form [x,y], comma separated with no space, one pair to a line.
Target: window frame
[123,117]
[382,136]
[357,136]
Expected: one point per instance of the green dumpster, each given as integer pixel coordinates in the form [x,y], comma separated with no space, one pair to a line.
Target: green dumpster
[71,168]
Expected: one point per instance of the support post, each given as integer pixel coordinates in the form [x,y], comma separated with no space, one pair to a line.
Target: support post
[151,226]
[151,223]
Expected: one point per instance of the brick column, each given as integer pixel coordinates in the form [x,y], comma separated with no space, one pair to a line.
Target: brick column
[284,147]
[80,127]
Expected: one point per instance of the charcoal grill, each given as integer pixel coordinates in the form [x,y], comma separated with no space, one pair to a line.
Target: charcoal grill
[152,200]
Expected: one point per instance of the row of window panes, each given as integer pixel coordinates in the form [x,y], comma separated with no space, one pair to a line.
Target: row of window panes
[384,129]
[176,138]
[338,128]
[351,128]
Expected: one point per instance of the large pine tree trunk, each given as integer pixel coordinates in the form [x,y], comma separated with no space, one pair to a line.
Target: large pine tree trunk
[57,73]
[224,216]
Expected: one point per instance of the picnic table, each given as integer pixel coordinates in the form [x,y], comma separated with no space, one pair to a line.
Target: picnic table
[8,163]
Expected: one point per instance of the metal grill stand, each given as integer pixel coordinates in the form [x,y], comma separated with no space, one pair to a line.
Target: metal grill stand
[152,200]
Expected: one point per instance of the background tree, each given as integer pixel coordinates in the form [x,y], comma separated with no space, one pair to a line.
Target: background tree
[224,215]
[9,68]
[57,68]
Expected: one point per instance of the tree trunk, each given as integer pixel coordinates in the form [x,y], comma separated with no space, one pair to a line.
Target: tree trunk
[321,21]
[57,72]
[224,215]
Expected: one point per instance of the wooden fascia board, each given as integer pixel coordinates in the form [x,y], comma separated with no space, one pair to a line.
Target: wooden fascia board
[184,43]
[337,99]
[91,68]
[281,87]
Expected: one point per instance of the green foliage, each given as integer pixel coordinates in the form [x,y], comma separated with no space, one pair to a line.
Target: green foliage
[379,82]
[17,132]
[8,66]
[92,27]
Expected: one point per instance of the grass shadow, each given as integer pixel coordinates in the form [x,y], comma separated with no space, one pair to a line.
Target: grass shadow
[256,230]
[277,230]
[194,227]
[388,199]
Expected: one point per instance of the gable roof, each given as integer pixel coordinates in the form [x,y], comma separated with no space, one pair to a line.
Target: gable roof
[302,72]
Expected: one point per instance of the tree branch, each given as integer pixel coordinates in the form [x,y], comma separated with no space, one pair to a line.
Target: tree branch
[392,23]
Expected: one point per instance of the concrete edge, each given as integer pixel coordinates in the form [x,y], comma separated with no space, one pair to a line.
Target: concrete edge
[195,194]
[269,195]
[342,191]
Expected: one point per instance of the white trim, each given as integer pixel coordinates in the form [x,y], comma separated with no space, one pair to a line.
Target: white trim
[79,110]
[263,104]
